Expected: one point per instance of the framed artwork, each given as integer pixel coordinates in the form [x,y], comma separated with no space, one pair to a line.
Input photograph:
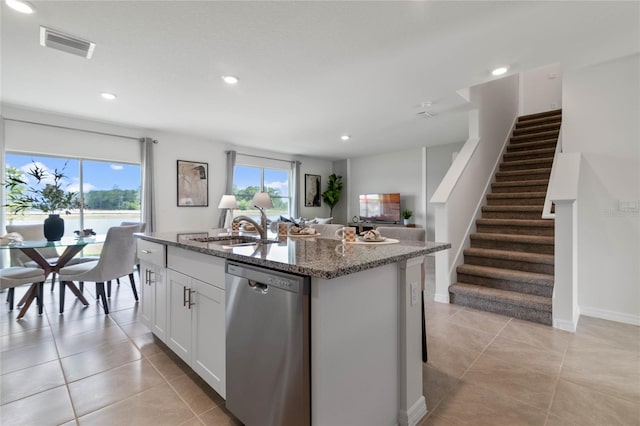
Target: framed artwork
[312,190]
[193,184]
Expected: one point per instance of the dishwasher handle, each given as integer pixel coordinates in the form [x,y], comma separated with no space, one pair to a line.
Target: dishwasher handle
[262,288]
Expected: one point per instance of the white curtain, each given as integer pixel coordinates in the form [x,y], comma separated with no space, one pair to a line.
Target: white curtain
[228,190]
[148,186]
[295,189]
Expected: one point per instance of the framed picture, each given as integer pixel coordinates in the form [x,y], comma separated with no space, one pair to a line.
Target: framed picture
[312,190]
[193,184]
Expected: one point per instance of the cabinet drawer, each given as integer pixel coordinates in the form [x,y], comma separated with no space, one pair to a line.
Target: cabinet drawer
[203,267]
[153,253]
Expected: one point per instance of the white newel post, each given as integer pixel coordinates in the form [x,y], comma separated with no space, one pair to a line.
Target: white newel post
[413,405]
[565,289]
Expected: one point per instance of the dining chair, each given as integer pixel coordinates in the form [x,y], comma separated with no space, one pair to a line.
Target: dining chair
[32,232]
[410,234]
[116,260]
[15,276]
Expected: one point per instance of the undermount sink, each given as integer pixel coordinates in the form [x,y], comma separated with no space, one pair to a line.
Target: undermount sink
[232,242]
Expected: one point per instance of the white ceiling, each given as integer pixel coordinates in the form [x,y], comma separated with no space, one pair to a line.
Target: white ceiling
[309,71]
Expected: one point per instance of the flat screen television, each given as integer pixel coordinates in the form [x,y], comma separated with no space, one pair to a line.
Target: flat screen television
[380,207]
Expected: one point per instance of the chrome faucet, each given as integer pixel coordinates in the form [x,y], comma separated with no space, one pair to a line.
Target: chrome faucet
[262,228]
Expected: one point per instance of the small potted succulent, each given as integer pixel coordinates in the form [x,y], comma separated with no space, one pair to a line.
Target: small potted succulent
[46,194]
[406,214]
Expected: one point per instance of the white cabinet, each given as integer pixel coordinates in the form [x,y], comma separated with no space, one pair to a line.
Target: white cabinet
[153,286]
[196,313]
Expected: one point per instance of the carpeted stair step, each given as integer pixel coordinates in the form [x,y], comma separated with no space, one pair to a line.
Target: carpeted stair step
[543,127]
[537,115]
[538,185]
[526,146]
[516,199]
[529,154]
[512,242]
[506,279]
[543,227]
[529,174]
[519,261]
[536,163]
[521,306]
[512,212]
[537,121]
[534,136]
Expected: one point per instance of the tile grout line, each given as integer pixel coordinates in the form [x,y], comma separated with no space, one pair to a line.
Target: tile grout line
[485,348]
[555,388]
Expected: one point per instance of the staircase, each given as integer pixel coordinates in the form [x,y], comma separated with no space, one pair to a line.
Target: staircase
[509,268]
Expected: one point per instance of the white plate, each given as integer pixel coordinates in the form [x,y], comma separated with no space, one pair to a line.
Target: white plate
[377,240]
[303,235]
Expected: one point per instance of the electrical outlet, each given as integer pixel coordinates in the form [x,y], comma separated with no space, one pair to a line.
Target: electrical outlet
[415,293]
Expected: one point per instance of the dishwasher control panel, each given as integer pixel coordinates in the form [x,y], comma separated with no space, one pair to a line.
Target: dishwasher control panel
[267,277]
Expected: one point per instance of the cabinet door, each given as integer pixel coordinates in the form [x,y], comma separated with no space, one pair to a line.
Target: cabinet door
[208,335]
[146,294]
[178,336]
[159,284]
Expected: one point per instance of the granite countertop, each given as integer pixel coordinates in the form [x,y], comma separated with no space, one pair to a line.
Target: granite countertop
[314,256]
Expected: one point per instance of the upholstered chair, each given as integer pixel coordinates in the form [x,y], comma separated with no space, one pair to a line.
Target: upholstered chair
[116,260]
[32,232]
[10,278]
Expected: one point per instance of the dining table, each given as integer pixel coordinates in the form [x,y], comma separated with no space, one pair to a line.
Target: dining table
[72,246]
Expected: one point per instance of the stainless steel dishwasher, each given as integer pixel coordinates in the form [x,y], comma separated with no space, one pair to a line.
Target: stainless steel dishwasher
[267,346]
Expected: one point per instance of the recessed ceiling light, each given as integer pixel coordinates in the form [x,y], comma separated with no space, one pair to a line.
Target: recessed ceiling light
[345,137]
[499,71]
[108,96]
[20,6]
[230,79]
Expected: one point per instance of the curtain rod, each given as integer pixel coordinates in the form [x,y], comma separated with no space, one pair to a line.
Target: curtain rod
[76,129]
[266,158]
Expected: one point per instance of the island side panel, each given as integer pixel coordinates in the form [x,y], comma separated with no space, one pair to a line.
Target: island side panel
[354,348]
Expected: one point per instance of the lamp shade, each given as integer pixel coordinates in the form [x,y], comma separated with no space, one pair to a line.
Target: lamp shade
[228,202]
[262,200]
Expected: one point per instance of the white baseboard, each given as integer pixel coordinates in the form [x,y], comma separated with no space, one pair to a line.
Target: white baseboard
[415,413]
[442,298]
[610,315]
[567,325]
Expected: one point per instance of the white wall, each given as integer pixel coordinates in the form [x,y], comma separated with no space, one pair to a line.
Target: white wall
[462,191]
[170,148]
[439,159]
[541,89]
[600,120]
[398,171]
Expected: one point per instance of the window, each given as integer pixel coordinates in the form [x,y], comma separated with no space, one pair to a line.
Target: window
[248,180]
[108,192]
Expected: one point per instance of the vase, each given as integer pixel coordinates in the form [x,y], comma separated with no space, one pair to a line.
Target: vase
[406,221]
[53,227]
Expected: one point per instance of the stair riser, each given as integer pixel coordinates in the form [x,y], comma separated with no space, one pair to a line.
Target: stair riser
[512,215]
[521,178]
[542,144]
[534,137]
[516,230]
[509,285]
[536,128]
[515,201]
[513,246]
[523,188]
[557,119]
[539,115]
[507,166]
[524,155]
[519,312]
[540,268]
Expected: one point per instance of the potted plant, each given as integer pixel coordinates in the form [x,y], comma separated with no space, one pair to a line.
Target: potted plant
[331,196]
[406,214]
[46,194]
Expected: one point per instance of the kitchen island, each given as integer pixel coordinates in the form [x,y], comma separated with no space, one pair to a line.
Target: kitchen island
[365,347]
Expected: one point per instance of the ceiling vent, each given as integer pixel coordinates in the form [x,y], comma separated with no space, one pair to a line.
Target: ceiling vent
[66,43]
[425,114]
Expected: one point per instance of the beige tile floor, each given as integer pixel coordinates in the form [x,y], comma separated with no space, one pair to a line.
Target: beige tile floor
[87,368]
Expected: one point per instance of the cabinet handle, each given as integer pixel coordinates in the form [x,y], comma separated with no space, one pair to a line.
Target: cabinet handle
[146,251]
[152,280]
[190,293]
[184,296]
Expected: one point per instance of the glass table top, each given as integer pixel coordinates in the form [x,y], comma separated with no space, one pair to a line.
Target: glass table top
[64,242]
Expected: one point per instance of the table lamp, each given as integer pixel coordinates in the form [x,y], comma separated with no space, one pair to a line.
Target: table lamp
[228,202]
